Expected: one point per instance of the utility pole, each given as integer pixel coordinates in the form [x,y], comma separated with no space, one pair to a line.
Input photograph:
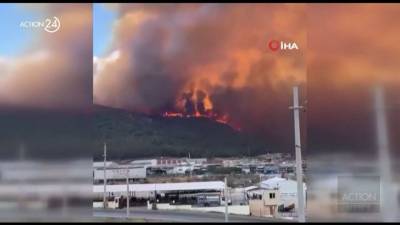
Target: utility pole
[226,200]
[105,178]
[21,155]
[127,193]
[388,202]
[299,169]
[21,152]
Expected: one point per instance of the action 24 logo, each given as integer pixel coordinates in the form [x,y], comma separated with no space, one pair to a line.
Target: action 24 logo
[275,45]
[50,25]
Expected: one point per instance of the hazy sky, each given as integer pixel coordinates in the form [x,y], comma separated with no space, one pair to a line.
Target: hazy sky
[103,19]
[14,39]
[43,69]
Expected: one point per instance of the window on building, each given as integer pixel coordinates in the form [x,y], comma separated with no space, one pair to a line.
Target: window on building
[271,195]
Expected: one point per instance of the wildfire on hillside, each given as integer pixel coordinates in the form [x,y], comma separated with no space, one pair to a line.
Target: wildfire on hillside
[206,61]
[199,105]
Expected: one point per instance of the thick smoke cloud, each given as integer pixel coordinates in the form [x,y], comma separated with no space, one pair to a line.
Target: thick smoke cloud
[55,72]
[167,50]
[351,50]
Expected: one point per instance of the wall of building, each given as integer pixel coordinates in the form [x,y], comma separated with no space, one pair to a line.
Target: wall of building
[258,208]
[266,206]
[120,173]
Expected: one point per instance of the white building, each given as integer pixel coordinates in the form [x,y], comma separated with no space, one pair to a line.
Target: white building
[100,164]
[179,169]
[118,173]
[246,169]
[231,162]
[206,185]
[144,162]
[287,189]
[170,162]
[197,161]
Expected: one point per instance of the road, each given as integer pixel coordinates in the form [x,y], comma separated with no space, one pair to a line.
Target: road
[47,215]
[177,216]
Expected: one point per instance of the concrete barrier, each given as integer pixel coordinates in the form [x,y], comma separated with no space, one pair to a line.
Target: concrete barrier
[97,204]
[173,207]
[110,205]
[233,209]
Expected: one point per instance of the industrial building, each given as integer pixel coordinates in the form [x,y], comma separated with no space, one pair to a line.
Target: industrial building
[172,193]
[119,174]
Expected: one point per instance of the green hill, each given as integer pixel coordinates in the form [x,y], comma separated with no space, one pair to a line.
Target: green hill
[131,135]
[62,135]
